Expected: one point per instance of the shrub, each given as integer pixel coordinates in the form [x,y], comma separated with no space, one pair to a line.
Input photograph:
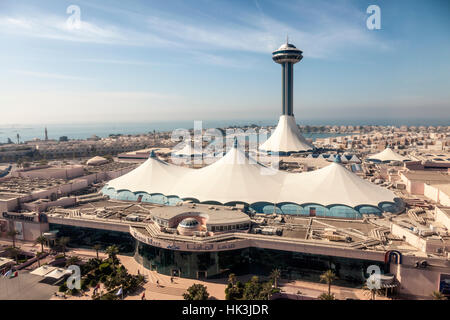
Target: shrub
[196,292]
[73,291]
[93,283]
[109,296]
[84,284]
[105,268]
[326,296]
[62,288]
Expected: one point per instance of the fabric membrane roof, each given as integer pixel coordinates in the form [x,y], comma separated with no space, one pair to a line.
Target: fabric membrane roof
[286,137]
[387,155]
[236,177]
[187,150]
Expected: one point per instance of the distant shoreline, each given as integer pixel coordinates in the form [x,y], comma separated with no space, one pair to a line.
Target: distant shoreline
[83,131]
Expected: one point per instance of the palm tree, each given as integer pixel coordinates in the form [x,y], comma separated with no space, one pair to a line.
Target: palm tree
[372,291]
[112,252]
[232,279]
[41,240]
[38,256]
[13,252]
[63,243]
[437,295]
[97,247]
[275,275]
[13,234]
[73,260]
[328,277]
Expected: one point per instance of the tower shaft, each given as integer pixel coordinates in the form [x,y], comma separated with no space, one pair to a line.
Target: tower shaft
[287,90]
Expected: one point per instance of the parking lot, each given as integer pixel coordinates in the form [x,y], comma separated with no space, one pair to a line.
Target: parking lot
[25,287]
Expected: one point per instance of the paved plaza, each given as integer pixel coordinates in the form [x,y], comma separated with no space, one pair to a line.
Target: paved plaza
[27,286]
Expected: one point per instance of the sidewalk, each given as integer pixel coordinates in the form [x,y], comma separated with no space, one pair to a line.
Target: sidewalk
[167,290]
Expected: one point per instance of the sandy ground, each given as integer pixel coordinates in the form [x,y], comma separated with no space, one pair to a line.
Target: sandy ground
[167,290]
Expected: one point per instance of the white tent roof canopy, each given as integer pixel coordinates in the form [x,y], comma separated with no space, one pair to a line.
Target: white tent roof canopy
[286,137]
[43,270]
[97,160]
[387,155]
[5,261]
[187,150]
[236,177]
[58,273]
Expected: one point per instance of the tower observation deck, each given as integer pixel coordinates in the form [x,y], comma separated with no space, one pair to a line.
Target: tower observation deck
[287,55]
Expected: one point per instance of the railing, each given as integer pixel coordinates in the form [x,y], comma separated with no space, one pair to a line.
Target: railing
[155,233]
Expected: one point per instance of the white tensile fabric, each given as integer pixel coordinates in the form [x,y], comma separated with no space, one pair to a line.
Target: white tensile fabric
[187,150]
[235,177]
[153,176]
[344,159]
[387,155]
[355,159]
[286,137]
[43,270]
[96,161]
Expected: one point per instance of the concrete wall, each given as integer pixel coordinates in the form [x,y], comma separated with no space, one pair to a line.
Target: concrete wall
[416,282]
[47,172]
[409,237]
[30,230]
[413,187]
[442,217]
[39,207]
[8,204]
[435,194]
[91,223]
[427,245]
[431,192]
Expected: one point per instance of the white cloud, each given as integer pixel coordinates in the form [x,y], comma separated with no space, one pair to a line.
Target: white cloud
[320,30]
[49,75]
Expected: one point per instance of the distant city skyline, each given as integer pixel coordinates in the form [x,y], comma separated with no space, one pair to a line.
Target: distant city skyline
[153,61]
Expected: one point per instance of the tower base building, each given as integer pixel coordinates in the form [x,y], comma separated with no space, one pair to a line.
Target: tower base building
[286,138]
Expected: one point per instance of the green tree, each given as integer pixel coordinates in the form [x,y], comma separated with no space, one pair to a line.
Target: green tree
[63,244]
[38,256]
[252,289]
[112,252]
[73,260]
[42,240]
[328,277]
[97,248]
[13,252]
[234,292]
[326,296]
[232,279]
[196,292]
[267,289]
[274,276]
[437,295]
[12,234]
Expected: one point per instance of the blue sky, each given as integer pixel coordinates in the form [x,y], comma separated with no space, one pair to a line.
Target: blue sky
[145,61]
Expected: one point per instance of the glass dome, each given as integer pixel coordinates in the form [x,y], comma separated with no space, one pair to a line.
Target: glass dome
[189,223]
